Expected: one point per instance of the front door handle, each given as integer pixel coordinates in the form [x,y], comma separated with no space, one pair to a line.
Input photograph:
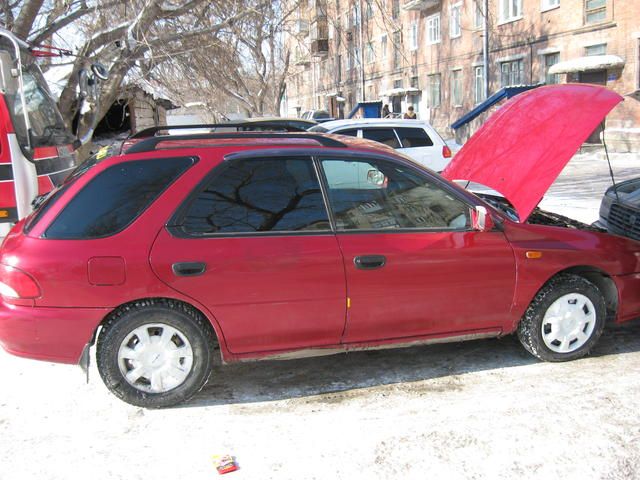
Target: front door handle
[369,262]
[188,269]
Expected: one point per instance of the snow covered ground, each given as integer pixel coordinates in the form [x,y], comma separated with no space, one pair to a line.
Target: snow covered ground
[482,409]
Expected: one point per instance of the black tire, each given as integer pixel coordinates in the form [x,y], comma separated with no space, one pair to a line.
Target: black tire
[530,327]
[125,320]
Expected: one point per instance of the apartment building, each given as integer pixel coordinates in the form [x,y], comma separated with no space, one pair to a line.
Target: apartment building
[429,54]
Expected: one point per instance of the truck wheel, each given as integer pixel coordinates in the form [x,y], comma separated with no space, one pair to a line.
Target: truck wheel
[564,320]
[155,353]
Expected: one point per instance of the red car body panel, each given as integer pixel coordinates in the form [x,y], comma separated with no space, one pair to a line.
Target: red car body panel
[521,149]
[268,295]
[432,283]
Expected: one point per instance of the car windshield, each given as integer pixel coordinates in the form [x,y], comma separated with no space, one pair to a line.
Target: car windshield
[45,121]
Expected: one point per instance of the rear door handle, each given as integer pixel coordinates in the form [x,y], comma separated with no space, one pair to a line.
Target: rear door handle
[369,262]
[189,269]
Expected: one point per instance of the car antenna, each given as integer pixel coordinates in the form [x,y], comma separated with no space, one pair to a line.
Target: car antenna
[606,152]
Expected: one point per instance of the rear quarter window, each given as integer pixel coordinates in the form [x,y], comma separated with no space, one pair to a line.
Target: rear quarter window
[115,198]
[414,137]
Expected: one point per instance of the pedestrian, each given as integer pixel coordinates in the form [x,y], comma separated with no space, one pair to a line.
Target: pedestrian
[410,115]
[385,111]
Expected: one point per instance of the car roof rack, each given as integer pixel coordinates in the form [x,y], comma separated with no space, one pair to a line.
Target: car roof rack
[152,131]
[151,143]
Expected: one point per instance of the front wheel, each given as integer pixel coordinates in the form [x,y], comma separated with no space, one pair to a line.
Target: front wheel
[155,353]
[564,320]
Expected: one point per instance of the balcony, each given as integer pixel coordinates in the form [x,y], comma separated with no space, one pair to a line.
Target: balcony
[320,47]
[319,36]
[301,27]
[420,4]
[301,60]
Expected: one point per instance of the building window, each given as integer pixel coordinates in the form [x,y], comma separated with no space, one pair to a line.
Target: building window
[549,4]
[397,56]
[397,83]
[339,70]
[478,15]
[595,11]
[600,49]
[383,47]
[434,90]
[478,92]
[371,53]
[413,36]
[395,9]
[433,29]
[355,16]
[511,73]
[456,88]
[356,58]
[510,10]
[549,61]
[454,24]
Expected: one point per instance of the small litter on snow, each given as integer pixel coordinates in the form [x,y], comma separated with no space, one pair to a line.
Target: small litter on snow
[225,464]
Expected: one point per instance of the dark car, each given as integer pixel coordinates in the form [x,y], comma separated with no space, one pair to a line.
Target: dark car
[620,209]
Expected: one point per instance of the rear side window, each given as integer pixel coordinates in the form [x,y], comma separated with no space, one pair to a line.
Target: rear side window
[259,195]
[351,132]
[414,137]
[115,198]
[382,135]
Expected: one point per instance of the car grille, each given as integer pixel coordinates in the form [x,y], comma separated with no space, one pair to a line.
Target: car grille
[624,221]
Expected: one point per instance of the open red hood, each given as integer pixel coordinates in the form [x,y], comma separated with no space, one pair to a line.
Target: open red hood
[522,148]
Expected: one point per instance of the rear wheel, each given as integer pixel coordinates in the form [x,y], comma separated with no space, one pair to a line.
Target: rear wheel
[565,319]
[155,353]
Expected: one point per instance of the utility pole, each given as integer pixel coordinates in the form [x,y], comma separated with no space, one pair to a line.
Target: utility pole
[361,34]
[485,46]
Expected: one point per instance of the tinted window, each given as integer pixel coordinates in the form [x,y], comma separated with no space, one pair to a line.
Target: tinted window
[383,195]
[259,195]
[115,198]
[351,132]
[382,135]
[414,137]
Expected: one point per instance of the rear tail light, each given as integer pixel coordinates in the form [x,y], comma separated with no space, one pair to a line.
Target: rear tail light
[446,151]
[14,283]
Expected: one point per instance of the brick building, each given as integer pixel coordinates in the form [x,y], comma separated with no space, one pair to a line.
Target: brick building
[429,54]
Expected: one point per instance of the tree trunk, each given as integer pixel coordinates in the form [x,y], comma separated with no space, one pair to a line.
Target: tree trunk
[27,16]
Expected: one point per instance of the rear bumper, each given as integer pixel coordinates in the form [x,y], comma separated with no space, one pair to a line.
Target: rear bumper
[51,334]
[628,296]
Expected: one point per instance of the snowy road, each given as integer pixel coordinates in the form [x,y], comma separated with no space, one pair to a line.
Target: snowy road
[482,409]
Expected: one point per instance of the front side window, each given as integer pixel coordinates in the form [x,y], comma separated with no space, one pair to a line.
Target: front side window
[114,198]
[379,195]
[382,135]
[259,195]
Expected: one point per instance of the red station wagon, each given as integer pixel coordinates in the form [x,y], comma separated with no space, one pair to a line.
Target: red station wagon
[272,245]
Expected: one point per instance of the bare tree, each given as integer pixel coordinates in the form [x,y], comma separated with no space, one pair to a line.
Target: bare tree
[246,64]
[123,35]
